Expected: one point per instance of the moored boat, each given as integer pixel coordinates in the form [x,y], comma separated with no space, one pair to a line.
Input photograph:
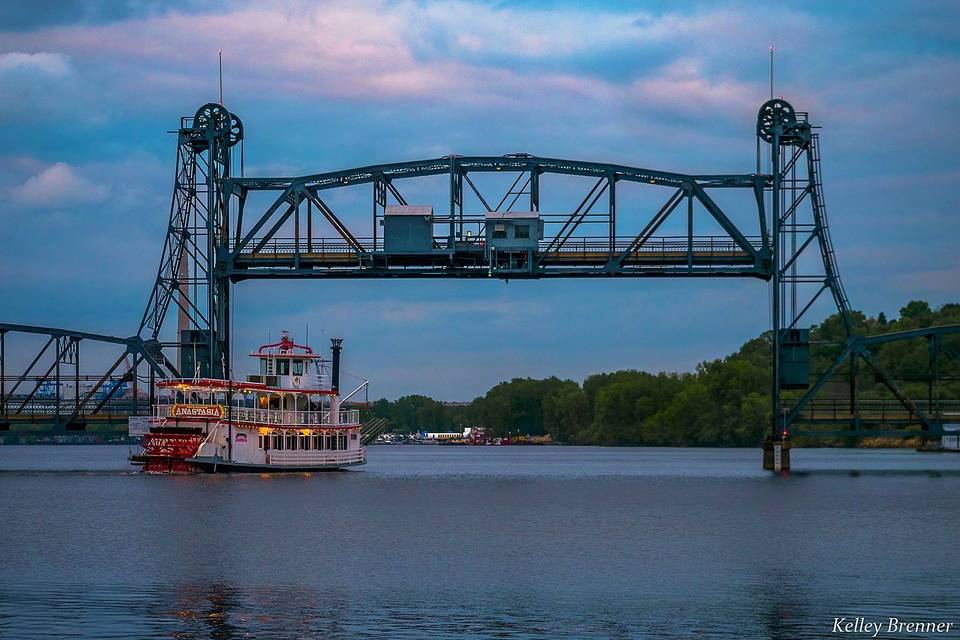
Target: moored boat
[287,417]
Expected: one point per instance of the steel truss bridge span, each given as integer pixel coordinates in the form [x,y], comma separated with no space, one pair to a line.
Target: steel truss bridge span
[459,247]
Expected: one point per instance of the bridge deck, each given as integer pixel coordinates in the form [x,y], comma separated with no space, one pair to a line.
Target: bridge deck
[655,253]
[825,418]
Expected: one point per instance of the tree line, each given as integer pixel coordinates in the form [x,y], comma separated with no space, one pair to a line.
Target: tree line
[723,402]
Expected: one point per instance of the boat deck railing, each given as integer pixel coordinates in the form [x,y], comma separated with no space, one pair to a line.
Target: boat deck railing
[280,417]
[304,458]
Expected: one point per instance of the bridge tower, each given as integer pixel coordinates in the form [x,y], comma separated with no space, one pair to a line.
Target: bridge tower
[190,273]
[804,264]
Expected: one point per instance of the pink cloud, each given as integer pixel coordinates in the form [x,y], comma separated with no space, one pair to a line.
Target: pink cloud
[682,85]
[932,281]
[58,184]
[379,51]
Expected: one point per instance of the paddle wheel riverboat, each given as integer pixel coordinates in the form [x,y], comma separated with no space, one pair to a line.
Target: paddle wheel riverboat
[287,417]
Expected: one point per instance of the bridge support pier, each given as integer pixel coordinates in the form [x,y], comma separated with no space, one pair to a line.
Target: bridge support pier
[776,454]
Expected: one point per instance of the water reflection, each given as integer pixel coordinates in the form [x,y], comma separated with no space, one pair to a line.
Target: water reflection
[784,612]
[206,612]
[878,473]
[782,603]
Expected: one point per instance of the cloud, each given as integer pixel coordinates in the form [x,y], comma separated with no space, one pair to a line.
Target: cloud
[683,87]
[53,64]
[940,284]
[385,52]
[56,185]
[44,86]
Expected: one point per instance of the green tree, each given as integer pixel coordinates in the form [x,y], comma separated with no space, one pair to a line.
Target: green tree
[725,402]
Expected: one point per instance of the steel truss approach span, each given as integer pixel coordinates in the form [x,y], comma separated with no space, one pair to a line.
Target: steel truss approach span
[53,387]
[515,216]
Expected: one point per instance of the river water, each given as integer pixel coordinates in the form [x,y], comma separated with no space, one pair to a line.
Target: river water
[485,542]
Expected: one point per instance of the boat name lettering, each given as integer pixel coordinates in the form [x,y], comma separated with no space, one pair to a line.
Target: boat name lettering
[197,411]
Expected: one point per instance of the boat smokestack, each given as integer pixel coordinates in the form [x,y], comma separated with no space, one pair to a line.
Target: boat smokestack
[335,378]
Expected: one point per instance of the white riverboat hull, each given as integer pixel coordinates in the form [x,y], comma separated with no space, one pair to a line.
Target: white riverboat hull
[218,465]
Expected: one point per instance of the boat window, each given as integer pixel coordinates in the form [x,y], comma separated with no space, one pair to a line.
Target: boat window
[292,443]
[283,367]
[263,366]
[353,436]
[298,367]
[329,443]
[277,442]
[317,442]
[305,443]
[343,441]
[521,231]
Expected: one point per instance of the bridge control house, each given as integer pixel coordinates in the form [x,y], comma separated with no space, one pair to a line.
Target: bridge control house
[408,229]
[509,233]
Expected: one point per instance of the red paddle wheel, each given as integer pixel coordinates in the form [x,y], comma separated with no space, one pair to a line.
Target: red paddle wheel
[165,450]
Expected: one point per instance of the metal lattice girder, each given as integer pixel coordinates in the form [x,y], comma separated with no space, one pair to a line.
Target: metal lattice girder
[68,346]
[259,250]
[858,347]
[653,225]
[61,350]
[133,345]
[570,224]
[439,166]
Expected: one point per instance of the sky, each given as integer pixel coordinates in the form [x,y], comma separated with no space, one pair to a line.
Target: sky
[90,91]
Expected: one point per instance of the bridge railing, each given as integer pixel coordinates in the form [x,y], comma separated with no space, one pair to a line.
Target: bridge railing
[700,245]
[836,409]
[48,407]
